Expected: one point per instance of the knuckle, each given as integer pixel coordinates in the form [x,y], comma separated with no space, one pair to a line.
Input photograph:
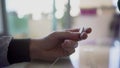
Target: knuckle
[70,52]
[73,51]
[67,32]
[54,33]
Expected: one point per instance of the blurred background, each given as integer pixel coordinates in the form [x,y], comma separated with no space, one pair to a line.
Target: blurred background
[38,18]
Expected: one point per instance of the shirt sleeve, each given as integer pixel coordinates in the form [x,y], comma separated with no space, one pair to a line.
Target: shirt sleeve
[18,51]
[4,43]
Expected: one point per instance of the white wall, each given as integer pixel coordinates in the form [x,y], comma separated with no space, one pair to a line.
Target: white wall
[95,3]
[40,28]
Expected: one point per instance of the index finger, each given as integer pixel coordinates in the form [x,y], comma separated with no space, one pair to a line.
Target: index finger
[87,30]
[73,30]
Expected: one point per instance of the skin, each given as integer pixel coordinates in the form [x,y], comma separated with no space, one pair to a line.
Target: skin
[57,44]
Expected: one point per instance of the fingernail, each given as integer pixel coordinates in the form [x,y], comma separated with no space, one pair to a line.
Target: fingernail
[89,30]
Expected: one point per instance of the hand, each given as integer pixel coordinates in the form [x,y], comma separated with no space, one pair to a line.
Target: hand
[57,44]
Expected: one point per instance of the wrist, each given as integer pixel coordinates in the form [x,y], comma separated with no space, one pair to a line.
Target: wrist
[38,50]
[35,51]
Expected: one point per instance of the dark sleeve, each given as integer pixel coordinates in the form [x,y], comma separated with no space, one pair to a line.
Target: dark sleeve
[18,51]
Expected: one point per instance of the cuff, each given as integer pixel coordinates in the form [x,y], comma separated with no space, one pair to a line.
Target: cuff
[18,51]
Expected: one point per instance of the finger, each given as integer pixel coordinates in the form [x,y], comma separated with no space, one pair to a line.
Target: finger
[75,36]
[67,53]
[61,52]
[67,35]
[70,52]
[83,36]
[73,30]
[87,30]
[69,44]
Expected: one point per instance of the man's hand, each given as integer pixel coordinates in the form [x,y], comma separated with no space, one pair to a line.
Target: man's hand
[57,44]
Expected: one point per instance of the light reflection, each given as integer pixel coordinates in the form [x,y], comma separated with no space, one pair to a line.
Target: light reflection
[117,43]
[114,55]
[59,14]
[24,7]
[75,12]
[29,6]
[75,7]
[75,3]
[60,4]
[36,16]
[21,13]
[75,58]
[115,4]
